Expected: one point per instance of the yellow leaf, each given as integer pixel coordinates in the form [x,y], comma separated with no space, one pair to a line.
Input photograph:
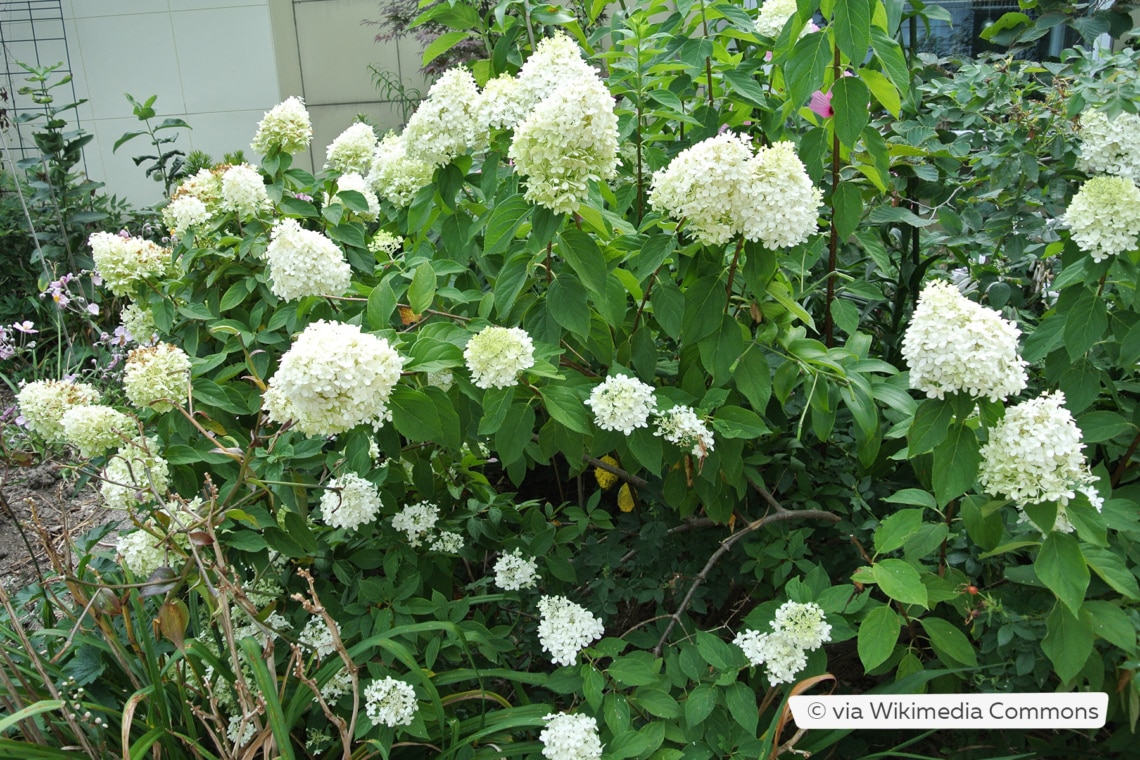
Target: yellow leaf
[625,498]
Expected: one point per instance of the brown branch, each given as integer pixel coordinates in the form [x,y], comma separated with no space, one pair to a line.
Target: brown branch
[615,470]
[778,514]
[1118,475]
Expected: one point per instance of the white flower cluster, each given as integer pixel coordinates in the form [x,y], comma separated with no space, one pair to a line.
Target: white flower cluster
[240,730]
[721,189]
[416,521]
[568,140]
[157,375]
[317,636]
[138,323]
[445,124]
[443,380]
[123,261]
[352,150]
[337,686]
[954,344]
[133,474]
[1104,217]
[1035,454]
[622,403]
[141,552]
[570,737]
[355,182]
[565,628]
[495,356]
[500,104]
[390,702]
[682,426]
[286,127]
[394,174]
[243,191]
[774,14]
[1110,146]
[556,61]
[304,263]
[385,242]
[184,212]
[514,571]
[447,542]
[44,402]
[333,378]
[797,629]
[94,428]
[349,502]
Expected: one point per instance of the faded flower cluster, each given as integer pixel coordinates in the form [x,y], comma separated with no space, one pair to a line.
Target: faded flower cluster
[349,502]
[1110,146]
[565,628]
[352,150]
[416,521]
[94,428]
[394,174]
[156,376]
[570,737]
[243,191]
[286,128]
[390,702]
[333,378]
[567,141]
[682,426]
[797,629]
[495,355]
[141,552]
[123,261]
[514,572]
[1104,217]
[1035,454]
[721,189]
[317,637]
[134,474]
[445,124]
[622,403]
[954,344]
[304,263]
[44,402]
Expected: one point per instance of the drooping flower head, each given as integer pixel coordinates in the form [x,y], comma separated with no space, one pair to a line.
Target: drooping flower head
[570,737]
[349,502]
[394,174]
[1035,454]
[1110,146]
[954,344]
[94,428]
[390,702]
[622,403]
[682,426]
[123,261]
[567,141]
[157,375]
[496,355]
[134,474]
[1104,217]
[243,191]
[445,124]
[416,521]
[513,571]
[333,378]
[352,150]
[565,628]
[44,402]
[304,263]
[286,127]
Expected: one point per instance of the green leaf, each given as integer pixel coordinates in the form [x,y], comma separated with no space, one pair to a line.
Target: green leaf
[847,205]
[719,653]
[636,743]
[1068,641]
[851,100]
[414,415]
[891,57]
[753,377]
[567,301]
[441,45]
[1112,570]
[505,219]
[896,529]
[1008,21]
[956,462]
[1061,567]
[421,292]
[737,422]
[877,636]
[853,29]
[381,304]
[348,234]
[291,206]
[567,407]
[949,642]
[657,702]
[515,433]
[582,253]
[915,497]
[900,581]
[744,85]
[704,306]
[1112,624]
[1097,427]
[897,214]
[635,669]
[700,704]
[883,89]
[721,350]
[741,703]
[807,66]
[1085,324]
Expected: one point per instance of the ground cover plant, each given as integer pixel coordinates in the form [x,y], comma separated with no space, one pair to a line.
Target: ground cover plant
[647,377]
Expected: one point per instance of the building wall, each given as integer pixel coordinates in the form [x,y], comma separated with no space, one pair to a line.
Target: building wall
[217,64]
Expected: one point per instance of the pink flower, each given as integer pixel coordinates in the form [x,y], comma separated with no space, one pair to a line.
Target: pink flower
[25,327]
[93,309]
[821,104]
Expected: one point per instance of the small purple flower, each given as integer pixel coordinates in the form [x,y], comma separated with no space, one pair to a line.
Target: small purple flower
[821,104]
[303,197]
[93,309]
[25,327]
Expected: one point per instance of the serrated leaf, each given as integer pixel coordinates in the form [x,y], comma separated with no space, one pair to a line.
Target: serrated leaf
[956,462]
[1112,570]
[900,581]
[949,641]
[896,529]
[1062,568]
[877,636]
[582,253]
[1085,324]
[852,24]
[504,220]
[421,292]
[1068,641]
